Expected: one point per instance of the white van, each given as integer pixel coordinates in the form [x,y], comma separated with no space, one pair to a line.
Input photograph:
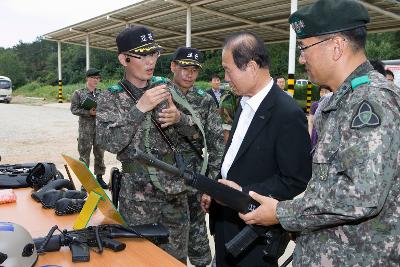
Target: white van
[5,89]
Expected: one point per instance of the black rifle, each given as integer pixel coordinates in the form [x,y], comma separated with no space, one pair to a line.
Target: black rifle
[79,241]
[234,199]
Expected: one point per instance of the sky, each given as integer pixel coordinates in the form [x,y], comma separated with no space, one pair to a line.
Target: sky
[25,20]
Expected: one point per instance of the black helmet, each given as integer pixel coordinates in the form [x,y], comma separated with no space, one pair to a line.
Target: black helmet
[19,249]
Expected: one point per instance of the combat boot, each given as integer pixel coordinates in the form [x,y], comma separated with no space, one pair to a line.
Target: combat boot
[101,181]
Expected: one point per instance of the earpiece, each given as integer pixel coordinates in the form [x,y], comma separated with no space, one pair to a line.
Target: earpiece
[127,60]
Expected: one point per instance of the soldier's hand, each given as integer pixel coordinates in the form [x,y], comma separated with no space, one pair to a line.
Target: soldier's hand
[152,97]
[92,111]
[170,115]
[205,202]
[265,214]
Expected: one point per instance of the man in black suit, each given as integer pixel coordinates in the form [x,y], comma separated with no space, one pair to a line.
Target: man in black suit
[216,92]
[268,150]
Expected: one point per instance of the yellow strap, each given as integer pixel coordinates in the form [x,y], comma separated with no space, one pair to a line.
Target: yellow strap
[87,210]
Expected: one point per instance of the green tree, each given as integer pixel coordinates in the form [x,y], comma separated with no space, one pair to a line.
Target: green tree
[12,67]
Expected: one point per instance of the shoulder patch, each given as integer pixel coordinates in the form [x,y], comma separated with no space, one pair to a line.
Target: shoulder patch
[359,81]
[157,80]
[115,88]
[365,117]
[201,92]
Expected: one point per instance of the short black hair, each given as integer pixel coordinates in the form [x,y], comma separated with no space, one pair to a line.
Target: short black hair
[214,75]
[357,38]
[378,66]
[247,46]
[323,86]
[389,72]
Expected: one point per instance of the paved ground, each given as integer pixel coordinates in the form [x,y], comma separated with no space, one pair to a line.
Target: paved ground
[32,131]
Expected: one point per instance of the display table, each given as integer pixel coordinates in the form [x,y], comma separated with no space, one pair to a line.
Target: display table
[38,221]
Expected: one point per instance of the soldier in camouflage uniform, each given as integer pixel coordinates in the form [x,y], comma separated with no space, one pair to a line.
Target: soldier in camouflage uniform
[87,124]
[227,109]
[185,65]
[124,123]
[349,214]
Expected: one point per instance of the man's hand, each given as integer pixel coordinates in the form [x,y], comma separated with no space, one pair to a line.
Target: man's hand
[92,112]
[152,97]
[265,214]
[230,184]
[170,115]
[205,202]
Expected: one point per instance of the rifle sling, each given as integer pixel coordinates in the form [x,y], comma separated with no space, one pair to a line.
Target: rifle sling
[156,124]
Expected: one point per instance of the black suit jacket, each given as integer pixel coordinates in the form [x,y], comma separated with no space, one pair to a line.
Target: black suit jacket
[211,92]
[273,159]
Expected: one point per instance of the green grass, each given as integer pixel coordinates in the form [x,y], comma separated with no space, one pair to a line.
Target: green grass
[50,93]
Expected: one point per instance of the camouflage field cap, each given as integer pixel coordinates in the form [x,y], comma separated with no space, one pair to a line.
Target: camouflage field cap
[92,72]
[326,17]
[188,56]
[138,40]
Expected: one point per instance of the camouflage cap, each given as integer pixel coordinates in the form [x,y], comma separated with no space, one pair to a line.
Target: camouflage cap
[188,56]
[138,40]
[326,17]
[92,72]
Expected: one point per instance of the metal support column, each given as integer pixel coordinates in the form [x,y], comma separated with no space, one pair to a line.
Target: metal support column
[309,96]
[60,97]
[87,52]
[189,26]
[292,52]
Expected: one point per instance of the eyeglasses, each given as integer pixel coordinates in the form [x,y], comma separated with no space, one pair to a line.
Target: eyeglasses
[153,55]
[96,77]
[302,48]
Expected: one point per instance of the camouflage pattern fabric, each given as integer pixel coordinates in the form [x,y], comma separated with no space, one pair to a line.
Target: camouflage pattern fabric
[205,107]
[120,129]
[147,207]
[349,214]
[87,130]
[228,105]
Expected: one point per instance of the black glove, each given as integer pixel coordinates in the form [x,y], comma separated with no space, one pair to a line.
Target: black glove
[56,184]
[66,206]
[50,197]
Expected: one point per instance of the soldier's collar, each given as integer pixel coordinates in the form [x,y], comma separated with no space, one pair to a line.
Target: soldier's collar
[132,87]
[335,100]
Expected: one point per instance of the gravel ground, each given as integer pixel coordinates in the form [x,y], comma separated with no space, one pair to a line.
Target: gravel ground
[32,130]
[38,132]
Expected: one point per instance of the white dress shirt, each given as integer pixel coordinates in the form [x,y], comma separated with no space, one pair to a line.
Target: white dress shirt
[249,108]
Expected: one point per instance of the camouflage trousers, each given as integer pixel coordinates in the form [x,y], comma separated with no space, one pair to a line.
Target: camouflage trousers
[199,248]
[172,211]
[85,144]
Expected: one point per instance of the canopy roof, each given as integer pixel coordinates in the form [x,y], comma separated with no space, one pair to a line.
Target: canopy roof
[211,21]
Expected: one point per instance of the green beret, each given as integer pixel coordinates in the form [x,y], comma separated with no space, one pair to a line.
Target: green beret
[326,17]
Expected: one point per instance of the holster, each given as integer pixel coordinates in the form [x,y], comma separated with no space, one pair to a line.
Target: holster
[115,185]
[276,241]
